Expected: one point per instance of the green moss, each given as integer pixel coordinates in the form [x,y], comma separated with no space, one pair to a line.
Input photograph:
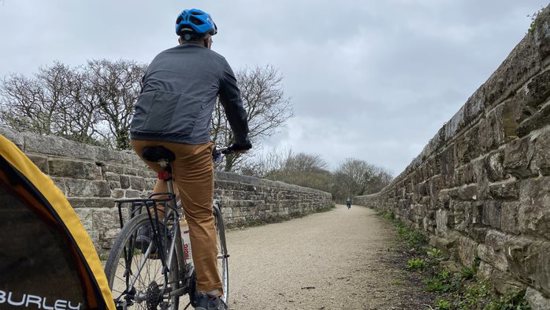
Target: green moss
[534,20]
[388,215]
[442,304]
[455,290]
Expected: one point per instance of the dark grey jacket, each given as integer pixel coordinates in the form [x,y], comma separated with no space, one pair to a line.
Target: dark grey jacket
[179,93]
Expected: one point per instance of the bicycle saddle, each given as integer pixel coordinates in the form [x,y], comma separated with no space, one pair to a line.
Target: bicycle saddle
[157,153]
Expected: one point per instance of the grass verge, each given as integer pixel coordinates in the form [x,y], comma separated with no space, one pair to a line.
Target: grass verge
[454,288]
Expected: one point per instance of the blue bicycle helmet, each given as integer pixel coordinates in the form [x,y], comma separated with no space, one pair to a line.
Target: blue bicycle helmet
[195,22]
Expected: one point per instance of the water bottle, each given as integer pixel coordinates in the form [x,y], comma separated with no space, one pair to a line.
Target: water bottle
[184,228]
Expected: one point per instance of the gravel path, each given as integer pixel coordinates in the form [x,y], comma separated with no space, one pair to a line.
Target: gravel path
[341,259]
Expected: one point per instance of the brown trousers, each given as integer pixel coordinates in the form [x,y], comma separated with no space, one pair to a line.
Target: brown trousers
[193,174]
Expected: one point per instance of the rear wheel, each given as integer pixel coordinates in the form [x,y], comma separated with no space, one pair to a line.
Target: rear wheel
[135,270]
[223,256]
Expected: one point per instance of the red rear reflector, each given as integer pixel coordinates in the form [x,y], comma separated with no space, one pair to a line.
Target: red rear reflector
[164,175]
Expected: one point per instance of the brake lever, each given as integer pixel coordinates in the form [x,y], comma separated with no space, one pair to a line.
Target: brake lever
[218,154]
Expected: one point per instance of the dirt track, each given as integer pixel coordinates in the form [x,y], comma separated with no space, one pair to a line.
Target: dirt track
[341,259]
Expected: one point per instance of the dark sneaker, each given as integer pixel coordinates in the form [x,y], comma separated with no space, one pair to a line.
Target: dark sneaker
[206,302]
[144,239]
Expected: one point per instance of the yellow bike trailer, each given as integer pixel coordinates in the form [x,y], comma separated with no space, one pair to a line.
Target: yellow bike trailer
[47,259]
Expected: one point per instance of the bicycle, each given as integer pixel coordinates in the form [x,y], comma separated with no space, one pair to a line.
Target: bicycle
[155,274]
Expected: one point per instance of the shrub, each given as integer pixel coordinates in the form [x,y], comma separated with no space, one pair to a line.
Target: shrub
[416,264]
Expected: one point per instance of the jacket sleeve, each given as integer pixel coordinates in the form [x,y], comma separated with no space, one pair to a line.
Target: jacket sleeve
[230,98]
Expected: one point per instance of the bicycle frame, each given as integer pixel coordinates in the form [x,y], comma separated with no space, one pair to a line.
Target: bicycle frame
[161,220]
[172,215]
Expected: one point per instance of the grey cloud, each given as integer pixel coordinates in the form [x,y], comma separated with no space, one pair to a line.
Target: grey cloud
[372,80]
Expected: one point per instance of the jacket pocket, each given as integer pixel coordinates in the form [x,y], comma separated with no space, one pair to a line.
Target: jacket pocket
[185,115]
[161,108]
[166,113]
[154,110]
[141,111]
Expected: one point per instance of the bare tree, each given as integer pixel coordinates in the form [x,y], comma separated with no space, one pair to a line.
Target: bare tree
[266,106]
[304,170]
[23,106]
[260,165]
[353,177]
[82,116]
[91,104]
[72,104]
[116,86]
[357,177]
[302,162]
[52,102]
[94,103]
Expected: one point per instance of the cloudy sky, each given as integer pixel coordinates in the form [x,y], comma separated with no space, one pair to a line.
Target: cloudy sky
[368,79]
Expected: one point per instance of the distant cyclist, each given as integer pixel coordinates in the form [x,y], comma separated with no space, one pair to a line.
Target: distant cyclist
[348,203]
[174,110]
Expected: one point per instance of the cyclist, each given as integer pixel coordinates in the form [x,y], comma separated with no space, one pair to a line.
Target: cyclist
[174,110]
[348,203]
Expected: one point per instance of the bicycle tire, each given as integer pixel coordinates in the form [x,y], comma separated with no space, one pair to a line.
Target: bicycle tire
[145,291]
[223,256]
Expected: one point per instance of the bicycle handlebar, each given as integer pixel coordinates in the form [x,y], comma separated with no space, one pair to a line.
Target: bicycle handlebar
[217,154]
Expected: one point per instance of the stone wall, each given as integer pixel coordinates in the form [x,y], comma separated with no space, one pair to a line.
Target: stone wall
[93,177]
[481,187]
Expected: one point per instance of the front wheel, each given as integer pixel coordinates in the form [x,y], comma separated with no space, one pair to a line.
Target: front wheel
[135,271]
[223,256]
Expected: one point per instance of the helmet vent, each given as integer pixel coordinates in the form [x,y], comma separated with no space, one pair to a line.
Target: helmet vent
[195,20]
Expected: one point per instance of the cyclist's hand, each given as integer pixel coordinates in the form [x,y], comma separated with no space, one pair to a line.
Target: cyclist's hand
[240,147]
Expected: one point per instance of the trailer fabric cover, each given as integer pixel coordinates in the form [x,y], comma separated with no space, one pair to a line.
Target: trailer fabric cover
[47,259]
